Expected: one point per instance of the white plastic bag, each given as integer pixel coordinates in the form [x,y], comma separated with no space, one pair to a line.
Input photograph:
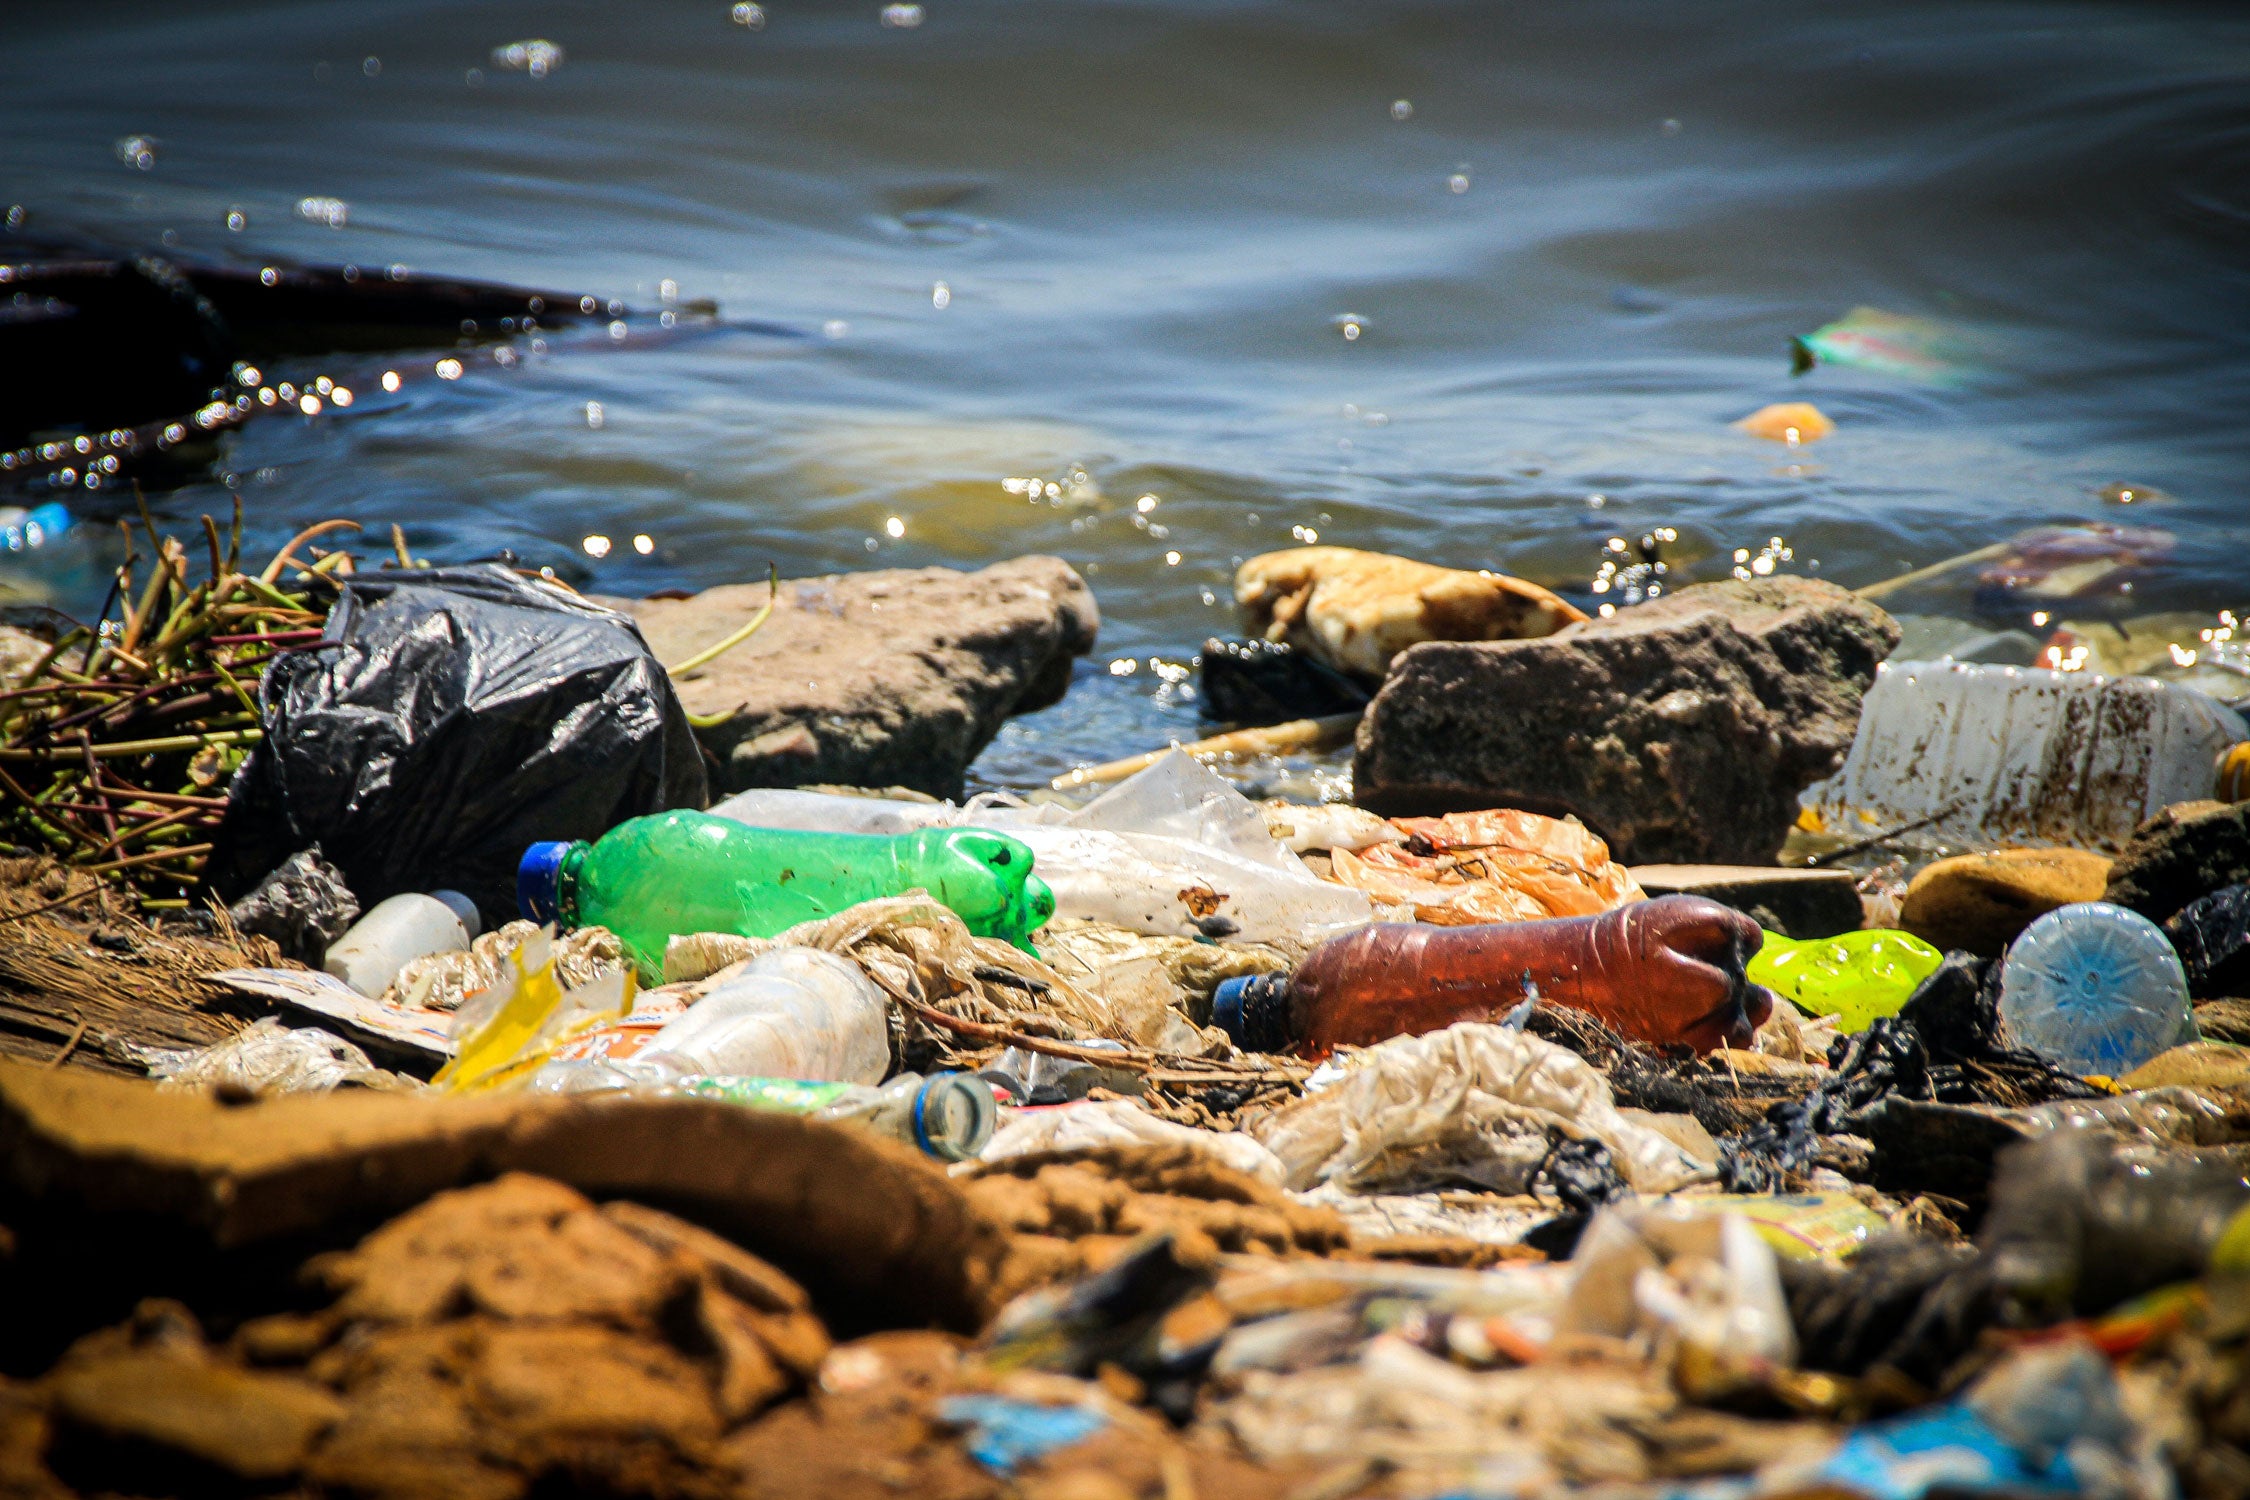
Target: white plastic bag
[1093,1123]
[267,1057]
[1472,1103]
[1700,1292]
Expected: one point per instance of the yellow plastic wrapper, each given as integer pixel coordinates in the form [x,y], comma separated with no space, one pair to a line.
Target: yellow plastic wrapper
[1501,865]
[506,1032]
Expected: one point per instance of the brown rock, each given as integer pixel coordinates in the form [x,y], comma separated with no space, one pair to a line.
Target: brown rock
[2189,849]
[1796,903]
[520,1247]
[1356,610]
[1679,730]
[1981,901]
[2197,1065]
[145,1404]
[898,676]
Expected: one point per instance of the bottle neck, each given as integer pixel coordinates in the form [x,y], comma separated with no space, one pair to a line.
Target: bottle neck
[566,886]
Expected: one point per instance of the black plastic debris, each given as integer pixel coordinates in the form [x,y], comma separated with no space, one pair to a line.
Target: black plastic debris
[1271,682]
[2212,935]
[304,905]
[450,718]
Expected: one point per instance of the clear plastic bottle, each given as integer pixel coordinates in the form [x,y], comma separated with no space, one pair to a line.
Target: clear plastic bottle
[2096,989]
[2023,755]
[948,1115]
[650,879]
[1667,971]
[397,931]
[791,1013]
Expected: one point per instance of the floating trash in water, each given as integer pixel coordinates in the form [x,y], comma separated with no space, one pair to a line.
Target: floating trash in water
[137,151]
[334,212]
[752,16]
[1868,338]
[1402,109]
[538,57]
[1350,325]
[1790,422]
[903,17]
[2132,494]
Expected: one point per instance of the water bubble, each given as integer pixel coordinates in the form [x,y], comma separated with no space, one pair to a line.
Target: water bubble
[894,528]
[474,78]
[752,16]
[1304,534]
[617,331]
[390,380]
[643,543]
[595,546]
[1670,127]
[1402,109]
[341,396]
[941,296]
[870,544]
[1145,504]
[15,216]
[538,57]
[371,66]
[137,151]
[1458,183]
[448,368]
[237,220]
[334,212]
[594,415]
[309,404]
[835,328]
[1350,325]
[667,290]
[1124,666]
[903,17]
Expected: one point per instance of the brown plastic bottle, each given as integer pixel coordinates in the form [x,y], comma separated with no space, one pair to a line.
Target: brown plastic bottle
[1667,972]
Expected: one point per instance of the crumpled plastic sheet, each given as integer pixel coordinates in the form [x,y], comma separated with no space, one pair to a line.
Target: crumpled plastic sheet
[1475,1104]
[267,1057]
[1003,1434]
[1090,1124]
[1500,865]
[1698,1292]
[917,950]
[1488,1218]
[1449,1429]
[441,981]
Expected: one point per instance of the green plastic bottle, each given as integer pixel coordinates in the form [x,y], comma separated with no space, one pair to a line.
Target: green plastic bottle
[1856,976]
[650,879]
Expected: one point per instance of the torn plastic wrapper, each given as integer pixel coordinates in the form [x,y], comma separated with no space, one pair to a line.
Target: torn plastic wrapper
[1495,866]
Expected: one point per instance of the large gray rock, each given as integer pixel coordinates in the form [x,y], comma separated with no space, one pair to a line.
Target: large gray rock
[1680,730]
[889,678]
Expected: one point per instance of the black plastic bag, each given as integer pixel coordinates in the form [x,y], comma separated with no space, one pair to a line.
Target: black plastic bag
[450,718]
[303,906]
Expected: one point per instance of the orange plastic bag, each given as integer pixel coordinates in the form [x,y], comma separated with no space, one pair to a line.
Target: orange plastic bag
[1499,865]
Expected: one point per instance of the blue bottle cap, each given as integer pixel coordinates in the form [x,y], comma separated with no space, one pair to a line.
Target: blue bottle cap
[1253,1011]
[1226,1006]
[539,881]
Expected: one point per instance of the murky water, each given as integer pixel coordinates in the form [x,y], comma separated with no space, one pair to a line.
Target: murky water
[1157,286]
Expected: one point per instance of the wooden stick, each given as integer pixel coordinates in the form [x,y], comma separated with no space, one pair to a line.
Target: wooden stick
[1271,739]
[1904,580]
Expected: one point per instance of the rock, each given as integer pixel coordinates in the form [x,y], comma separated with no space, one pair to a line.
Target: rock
[2226,1020]
[1981,901]
[1802,903]
[2197,1065]
[159,1408]
[1679,730]
[867,679]
[2189,849]
[1356,610]
[20,651]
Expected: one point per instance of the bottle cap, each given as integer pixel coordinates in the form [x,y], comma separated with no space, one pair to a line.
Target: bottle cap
[954,1115]
[1253,1011]
[462,907]
[539,881]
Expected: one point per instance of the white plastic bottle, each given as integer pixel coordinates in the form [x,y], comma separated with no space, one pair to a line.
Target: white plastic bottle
[792,1013]
[397,931]
[2022,755]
